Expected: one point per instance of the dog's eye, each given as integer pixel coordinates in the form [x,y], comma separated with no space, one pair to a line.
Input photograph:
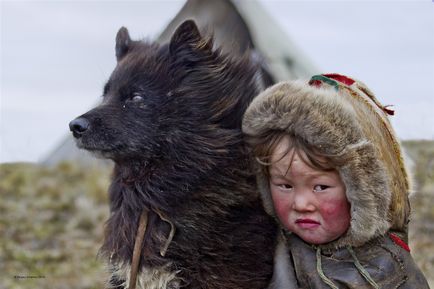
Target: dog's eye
[137,98]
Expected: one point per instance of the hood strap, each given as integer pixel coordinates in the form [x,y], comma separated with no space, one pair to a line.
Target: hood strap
[321,272]
[141,229]
[362,270]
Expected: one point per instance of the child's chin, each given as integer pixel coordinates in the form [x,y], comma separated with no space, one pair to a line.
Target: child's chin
[313,239]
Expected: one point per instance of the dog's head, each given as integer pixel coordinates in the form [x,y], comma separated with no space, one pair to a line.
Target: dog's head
[164,96]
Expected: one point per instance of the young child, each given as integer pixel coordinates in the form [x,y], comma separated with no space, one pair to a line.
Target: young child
[331,172]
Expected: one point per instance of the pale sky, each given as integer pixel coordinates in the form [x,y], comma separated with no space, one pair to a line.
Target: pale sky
[56,56]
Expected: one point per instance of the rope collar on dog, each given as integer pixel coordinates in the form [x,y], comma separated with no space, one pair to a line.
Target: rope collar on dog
[138,243]
[143,224]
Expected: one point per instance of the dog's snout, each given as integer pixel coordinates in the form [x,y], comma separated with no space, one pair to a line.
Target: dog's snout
[78,126]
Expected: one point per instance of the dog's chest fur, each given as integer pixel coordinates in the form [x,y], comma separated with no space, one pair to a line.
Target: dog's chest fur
[150,278]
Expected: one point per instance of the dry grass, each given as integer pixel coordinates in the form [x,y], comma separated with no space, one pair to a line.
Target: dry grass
[51,226]
[51,222]
[422,201]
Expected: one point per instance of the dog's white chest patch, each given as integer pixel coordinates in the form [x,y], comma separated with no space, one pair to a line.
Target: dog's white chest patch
[149,278]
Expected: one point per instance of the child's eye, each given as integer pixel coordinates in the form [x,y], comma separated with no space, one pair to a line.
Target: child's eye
[285,187]
[319,188]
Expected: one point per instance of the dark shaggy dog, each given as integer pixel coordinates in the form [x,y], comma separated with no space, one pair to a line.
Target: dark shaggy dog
[170,120]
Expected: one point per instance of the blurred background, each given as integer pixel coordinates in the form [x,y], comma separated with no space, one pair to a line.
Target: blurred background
[57,55]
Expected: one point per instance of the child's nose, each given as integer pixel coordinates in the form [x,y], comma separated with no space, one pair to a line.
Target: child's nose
[303,202]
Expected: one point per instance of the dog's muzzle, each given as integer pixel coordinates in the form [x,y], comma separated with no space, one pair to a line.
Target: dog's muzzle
[79,126]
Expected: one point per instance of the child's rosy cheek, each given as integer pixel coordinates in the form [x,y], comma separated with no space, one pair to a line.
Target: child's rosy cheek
[334,208]
[281,208]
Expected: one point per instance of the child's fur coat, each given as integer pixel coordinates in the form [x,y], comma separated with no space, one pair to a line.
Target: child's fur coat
[340,117]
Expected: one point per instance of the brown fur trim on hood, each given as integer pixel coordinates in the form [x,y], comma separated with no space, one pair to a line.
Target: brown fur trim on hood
[341,120]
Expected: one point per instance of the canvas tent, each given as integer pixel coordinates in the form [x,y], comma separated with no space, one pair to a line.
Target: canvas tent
[236,26]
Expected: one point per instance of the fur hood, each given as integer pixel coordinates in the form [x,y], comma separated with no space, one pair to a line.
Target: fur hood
[341,116]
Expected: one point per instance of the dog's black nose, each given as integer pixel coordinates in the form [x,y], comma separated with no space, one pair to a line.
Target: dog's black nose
[78,126]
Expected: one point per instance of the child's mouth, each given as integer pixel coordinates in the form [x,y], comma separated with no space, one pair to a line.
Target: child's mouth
[307,223]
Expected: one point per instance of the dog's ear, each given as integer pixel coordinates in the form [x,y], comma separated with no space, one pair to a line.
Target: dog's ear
[187,39]
[123,43]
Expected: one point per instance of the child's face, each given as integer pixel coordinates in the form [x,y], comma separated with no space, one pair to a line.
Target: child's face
[309,202]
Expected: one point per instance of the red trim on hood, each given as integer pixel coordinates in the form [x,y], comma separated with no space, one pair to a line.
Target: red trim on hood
[316,83]
[399,242]
[341,78]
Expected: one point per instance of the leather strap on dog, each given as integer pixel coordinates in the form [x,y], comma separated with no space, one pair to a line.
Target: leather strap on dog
[141,230]
[163,249]
[143,223]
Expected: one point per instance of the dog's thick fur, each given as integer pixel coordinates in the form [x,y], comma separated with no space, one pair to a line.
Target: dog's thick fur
[171,121]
